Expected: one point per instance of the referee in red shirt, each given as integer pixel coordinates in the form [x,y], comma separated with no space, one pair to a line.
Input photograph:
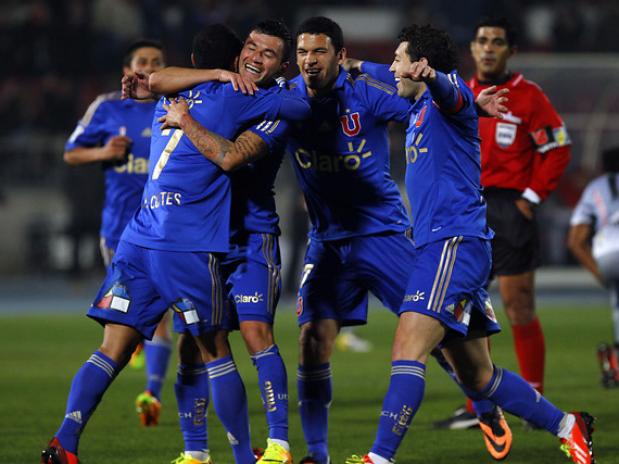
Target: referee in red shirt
[523,156]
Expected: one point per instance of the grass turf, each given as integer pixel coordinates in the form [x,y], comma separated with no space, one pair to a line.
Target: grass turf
[40,354]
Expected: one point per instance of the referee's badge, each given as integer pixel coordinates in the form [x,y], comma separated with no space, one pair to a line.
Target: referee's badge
[505,134]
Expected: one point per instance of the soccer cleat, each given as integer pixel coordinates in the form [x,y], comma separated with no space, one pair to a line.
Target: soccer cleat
[275,453]
[56,454]
[149,408]
[311,460]
[460,420]
[137,360]
[497,434]
[186,459]
[579,445]
[348,341]
[354,459]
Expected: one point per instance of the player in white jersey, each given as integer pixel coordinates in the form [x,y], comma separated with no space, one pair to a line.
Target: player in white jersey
[594,241]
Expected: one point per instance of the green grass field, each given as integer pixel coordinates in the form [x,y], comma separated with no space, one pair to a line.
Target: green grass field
[41,353]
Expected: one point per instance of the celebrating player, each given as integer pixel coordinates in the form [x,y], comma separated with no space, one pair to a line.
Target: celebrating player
[168,256]
[446,303]
[597,217]
[117,133]
[251,269]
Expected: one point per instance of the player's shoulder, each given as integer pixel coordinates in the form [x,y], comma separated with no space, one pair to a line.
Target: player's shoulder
[101,103]
[365,82]
[520,83]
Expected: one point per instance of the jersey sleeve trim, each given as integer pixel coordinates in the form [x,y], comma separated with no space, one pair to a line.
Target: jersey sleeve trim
[94,106]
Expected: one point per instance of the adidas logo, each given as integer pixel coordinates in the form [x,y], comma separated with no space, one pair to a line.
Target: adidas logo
[75,416]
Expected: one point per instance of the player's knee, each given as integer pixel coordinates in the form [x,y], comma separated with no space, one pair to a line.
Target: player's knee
[258,336]
[475,379]
[316,343]
[119,342]
[188,350]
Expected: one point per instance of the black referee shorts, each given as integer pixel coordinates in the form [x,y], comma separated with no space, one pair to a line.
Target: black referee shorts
[516,245]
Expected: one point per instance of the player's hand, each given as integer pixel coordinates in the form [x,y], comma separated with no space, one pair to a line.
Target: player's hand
[238,82]
[135,85]
[352,64]
[492,101]
[176,111]
[115,149]
[525,207]
[420,71]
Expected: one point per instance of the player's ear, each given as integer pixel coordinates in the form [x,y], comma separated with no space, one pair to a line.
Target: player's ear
[193,61]
[513,50]
[235,64]
[127,71]
[283,67]
[341,56]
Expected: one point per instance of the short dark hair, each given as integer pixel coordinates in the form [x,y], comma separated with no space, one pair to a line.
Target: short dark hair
[326,26]
[610,160]
[276,28]
[431,43]
[510,31]
[216,46]
[141,43]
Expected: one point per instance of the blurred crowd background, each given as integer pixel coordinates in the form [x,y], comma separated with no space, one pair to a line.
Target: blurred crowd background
[58,55]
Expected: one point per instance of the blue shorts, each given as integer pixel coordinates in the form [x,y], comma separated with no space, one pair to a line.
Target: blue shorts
[141,284]
[252,273]
[338,275]
[448,281]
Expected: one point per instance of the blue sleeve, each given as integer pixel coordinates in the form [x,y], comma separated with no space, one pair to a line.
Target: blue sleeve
[450,92]
[274,133]
[90,131]
[382,99]
[272,104]
[379,72]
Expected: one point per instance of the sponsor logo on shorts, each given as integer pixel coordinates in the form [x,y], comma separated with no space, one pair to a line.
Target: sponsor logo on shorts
[417,296]
[116,298]
[187,311]
[255,298]
[489,310]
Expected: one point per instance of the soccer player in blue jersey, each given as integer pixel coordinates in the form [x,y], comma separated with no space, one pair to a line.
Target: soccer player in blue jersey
[116,133]
[446,304]
[252,268]
[168,256]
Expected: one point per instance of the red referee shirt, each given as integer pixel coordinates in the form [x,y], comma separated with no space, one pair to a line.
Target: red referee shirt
[529,149]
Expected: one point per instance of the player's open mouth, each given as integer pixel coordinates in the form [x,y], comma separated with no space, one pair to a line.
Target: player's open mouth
[253,69]
[312,72]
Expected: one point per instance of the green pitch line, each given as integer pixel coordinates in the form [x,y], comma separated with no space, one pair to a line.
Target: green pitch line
[40,354]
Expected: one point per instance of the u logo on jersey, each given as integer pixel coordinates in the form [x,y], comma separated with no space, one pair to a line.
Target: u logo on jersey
[351,124]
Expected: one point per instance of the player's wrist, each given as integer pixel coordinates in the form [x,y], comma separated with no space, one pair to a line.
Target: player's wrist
[184,121]
[531,196]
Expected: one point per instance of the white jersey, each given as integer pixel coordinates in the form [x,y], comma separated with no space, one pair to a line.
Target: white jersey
[599,208]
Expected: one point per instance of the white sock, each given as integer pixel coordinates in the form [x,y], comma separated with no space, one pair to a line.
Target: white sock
[284,444]
[566,426]
[199,455]
[376,459]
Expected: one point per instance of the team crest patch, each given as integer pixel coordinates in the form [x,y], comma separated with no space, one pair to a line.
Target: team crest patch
[351,124]
[116,298]
[187,311]
[299,306]
[505,134]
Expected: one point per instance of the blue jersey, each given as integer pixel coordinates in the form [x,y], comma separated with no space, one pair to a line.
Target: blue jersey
[109,116]
[443,164]
[186,200]
[253,194]
[341,158]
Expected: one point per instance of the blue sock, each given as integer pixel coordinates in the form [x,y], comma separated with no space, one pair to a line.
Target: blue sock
[516,396]
[157,353]
[230,403]
[481,405]
[315,394]
[400,405]
[87,389]
[191,390]
[274,389]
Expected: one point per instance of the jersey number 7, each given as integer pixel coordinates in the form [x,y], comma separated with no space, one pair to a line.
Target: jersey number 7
[167,151]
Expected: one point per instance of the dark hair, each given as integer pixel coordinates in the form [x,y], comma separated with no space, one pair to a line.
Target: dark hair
[141,43]
[510,31]
[431,43]
[610,164]
[216,46]
[276,28]
[326,26]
